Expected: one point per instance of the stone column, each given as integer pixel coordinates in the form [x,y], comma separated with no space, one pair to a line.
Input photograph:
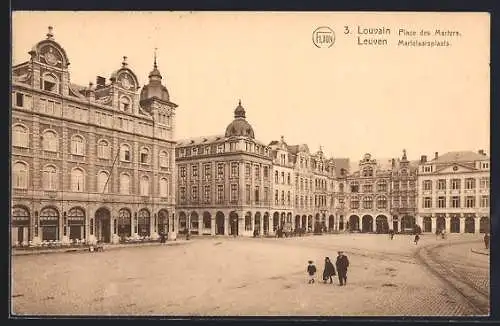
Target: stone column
[261,226]
[433,224]
[477,224]
[212,225]
[448,223]
[226,224]
[462,224]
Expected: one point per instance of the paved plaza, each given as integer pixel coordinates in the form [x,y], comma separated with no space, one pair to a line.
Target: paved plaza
[248,277]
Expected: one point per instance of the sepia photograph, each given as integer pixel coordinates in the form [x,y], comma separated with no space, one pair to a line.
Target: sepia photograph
[216,164]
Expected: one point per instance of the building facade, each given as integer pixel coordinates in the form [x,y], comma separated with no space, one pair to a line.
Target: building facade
[454,192]
[89,163]
[224,182]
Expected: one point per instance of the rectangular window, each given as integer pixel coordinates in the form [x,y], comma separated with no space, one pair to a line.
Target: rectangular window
[485,201]
[283,177]
[276,197]
[194,193]
[441,202]
[220,148]
[220,194]
[234,193]
[19,99]
[195,151]
[248,170]
[484,183]
[182,172]
[207,171]
[455,202]
[382,187]
[470,183]
[234,170]
[194,171]
[455,184]
[427,185]
[266,195]
[248,194]
[257,172]
[206,194]
[441,184]
[427,202]
[485,165]
[368,188]
[354,188]
[266,172]
[220,170]
[257,199]
[395,186]
[182,193]
[470,202]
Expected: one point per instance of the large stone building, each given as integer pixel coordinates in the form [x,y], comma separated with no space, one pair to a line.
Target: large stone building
[224,182]
[454,192]
[89,163]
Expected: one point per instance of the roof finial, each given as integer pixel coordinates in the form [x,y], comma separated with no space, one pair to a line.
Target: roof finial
[239,102]
[49,34]
[124,63]
[154,65]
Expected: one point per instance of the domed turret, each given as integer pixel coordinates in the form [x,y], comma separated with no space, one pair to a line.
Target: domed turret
[155,89]
[239,126]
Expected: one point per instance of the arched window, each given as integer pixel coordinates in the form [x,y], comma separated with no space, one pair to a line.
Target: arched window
[77,145]
[125,184]
[77,180]
[144,155]
[50,83]
[341,187]
[125,153]
[124,223]
[143,222]
[20,136]
[368,202]
[144,186]
[163,187]
[276,177]
[103,149]
[164,159]
[49,178]
[50,141]
[102,182]
[20,177]
[124,103]
[382,202]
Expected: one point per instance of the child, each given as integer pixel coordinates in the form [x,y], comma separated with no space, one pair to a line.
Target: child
[311,271]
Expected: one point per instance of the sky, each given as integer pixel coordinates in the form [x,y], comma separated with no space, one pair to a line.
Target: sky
[350,99]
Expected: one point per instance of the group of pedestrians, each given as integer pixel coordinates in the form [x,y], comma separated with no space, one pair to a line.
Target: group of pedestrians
[342,263]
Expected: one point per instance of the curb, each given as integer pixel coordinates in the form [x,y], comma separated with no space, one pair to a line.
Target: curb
[106,247]
[480,252]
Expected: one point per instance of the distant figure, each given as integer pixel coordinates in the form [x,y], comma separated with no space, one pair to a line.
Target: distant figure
[443,233]
[162,237]
[311,271]
[342,263]
[437,233]
[486,240]
[417,237]
[188,236]
[329,271]
[391,234]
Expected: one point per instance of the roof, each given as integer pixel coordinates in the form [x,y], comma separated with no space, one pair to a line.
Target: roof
[341,163]
[460,156]
[200,140]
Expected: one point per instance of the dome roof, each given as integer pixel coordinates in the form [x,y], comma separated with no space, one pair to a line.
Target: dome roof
[158,91]
[239,126]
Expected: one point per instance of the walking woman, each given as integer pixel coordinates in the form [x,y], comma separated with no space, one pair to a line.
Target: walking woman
[329,271]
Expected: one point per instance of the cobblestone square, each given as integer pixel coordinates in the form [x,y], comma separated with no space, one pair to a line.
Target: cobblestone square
[246,277]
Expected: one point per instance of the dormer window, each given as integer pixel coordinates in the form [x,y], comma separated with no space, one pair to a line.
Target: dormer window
[49,83]
[124,103]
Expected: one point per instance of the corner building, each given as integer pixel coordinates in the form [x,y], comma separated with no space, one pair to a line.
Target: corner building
[224,182]
[89,162]
[454,192]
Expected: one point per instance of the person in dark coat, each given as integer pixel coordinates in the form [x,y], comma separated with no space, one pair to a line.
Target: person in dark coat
[329,271]
[486,240]
[391,234]
[417,237]
[311,271]
[342,263]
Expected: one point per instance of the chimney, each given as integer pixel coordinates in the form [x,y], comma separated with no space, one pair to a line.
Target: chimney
[423,159]
[481,152]
[436,154]
[91,92]
[100,82]
[393,162]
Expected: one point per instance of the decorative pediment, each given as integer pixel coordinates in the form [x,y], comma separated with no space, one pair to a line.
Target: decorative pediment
[455,168]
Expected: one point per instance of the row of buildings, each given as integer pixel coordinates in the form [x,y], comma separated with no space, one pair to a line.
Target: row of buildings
[100,162]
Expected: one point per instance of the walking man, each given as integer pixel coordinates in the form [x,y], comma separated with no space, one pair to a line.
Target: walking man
[486,240]
[417,237]
[311,271]
[342,263]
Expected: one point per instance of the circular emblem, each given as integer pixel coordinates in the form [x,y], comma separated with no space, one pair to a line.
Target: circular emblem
[50,58]
[125,83]
[323,37]
[455,168]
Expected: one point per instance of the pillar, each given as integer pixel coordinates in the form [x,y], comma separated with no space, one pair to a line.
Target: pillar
[226,224]
[212,225]
[261,225]
[433,224]
[477,224]
[462,224]
[448,223]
